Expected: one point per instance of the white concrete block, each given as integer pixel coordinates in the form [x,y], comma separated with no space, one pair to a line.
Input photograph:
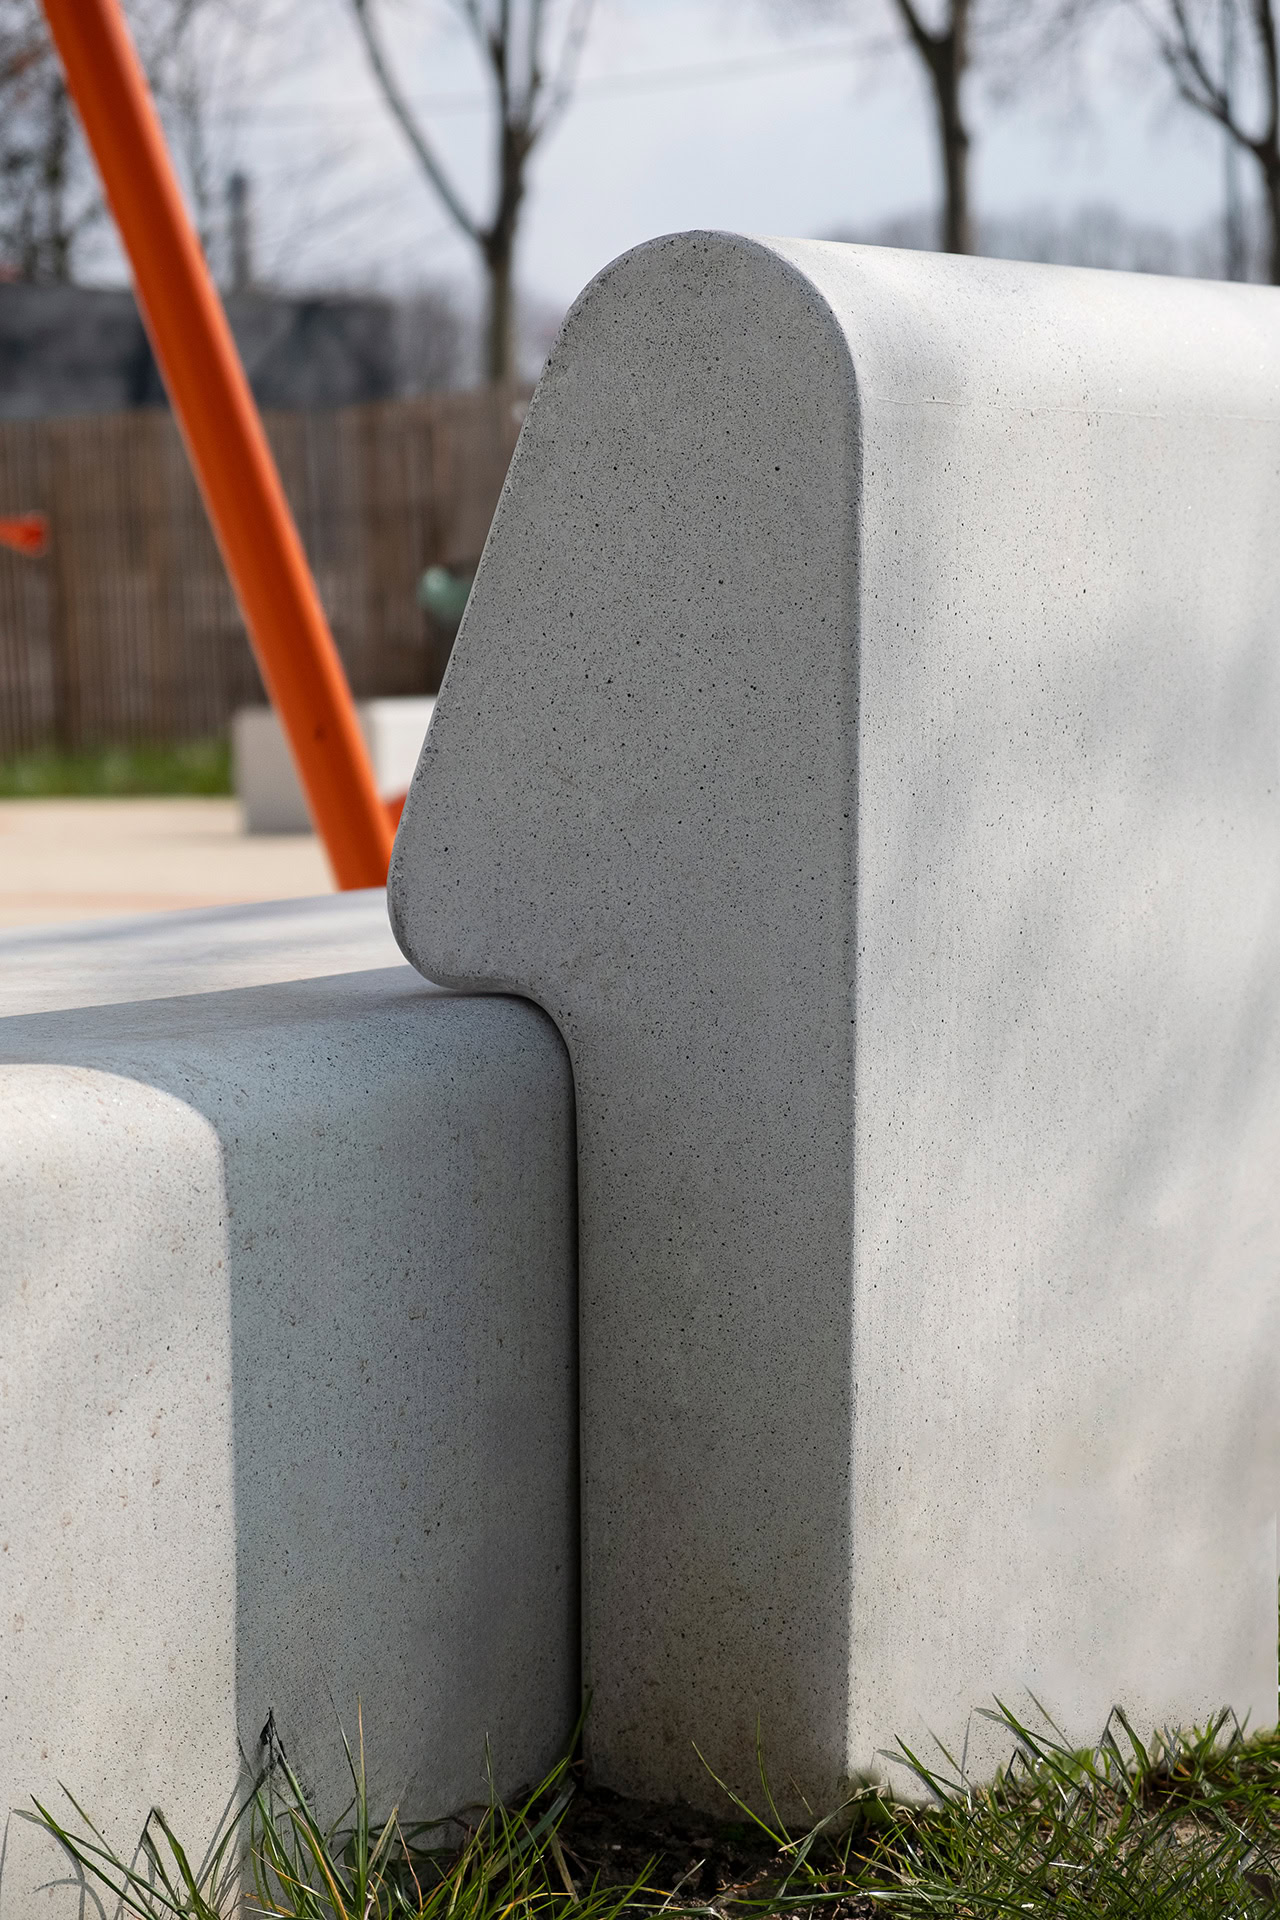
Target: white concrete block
[862,740]
[263,771]
[287,1407]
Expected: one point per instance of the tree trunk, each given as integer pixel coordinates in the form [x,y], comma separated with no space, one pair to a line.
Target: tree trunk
[498,244]
[957,232]
[500,333]
[946,57]
[57,146]
[1271,187]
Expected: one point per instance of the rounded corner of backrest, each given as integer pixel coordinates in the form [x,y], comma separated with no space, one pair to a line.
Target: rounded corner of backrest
[678,524]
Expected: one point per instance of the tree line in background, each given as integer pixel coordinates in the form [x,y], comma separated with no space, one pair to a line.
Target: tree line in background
[1220,58]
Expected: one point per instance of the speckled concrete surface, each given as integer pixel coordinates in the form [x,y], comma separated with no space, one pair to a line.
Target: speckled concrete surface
[161,956]
[862,741]
[287,1406]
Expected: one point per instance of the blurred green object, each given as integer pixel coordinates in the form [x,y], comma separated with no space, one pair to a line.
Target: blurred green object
[188,767]
[443,595]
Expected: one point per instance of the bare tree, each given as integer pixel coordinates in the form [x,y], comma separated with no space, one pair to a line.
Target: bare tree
[46,202]
[49,195]
[1012,41]
[1016,44]
[945,48]
[531,88]
[1200,42]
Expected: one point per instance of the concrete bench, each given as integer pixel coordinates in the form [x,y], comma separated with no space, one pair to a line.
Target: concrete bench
[862,740]
[262,766]
[287,1402]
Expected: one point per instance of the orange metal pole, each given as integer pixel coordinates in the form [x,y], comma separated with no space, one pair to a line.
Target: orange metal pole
[233,464]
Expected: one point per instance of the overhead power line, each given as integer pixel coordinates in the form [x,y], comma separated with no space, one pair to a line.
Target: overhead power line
[651,80]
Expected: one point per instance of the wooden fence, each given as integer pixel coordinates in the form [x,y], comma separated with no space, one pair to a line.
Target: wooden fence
[127,630]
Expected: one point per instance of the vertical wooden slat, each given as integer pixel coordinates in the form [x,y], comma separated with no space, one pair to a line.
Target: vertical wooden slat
[27,679]
[128,631]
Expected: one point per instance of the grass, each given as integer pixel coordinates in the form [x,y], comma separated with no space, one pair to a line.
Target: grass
[1180,1827]
[190,767]
[494,1862]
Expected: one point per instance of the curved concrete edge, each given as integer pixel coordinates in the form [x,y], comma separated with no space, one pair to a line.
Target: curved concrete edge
[679,770]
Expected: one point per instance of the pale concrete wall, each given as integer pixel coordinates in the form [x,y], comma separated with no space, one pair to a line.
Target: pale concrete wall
[266,781]
[862,741]
[287,1403]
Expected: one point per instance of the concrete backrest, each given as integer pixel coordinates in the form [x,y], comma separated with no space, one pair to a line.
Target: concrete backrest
[863,741]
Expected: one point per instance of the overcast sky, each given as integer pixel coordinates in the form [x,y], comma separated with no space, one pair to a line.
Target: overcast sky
[690,113]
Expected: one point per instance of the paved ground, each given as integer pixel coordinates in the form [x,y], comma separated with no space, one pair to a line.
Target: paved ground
[82,859]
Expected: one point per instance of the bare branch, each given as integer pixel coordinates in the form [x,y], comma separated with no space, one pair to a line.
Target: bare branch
[560,91]
[470,12]
[1188,53]
[1188,63]
[509,36]
[404,117]
[534,20]
[1264,20]
[500,58]
[926,43]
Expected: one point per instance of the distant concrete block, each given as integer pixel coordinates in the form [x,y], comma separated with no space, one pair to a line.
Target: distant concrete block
[263,771]
[862,741]
[287,1409]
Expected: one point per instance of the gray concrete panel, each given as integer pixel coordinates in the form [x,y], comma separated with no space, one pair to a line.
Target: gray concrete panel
[862,741]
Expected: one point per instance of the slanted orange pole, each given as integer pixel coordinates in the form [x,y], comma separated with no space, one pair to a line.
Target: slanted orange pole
[233,464]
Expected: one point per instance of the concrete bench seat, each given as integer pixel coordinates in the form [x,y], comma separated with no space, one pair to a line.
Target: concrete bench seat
[287,1407]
